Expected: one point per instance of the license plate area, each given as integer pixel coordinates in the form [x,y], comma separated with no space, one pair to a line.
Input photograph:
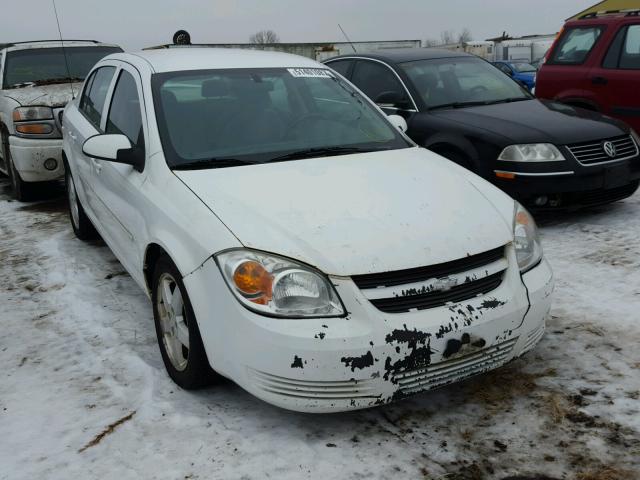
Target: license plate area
[617,176]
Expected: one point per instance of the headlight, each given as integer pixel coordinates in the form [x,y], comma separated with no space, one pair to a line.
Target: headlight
[27,114]
[533,152]
[525,239]
[276,286]
[636,137]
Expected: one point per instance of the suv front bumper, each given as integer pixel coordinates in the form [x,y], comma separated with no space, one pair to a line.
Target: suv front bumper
[29,155]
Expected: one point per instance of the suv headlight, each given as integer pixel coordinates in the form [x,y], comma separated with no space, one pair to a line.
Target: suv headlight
[532,152]
[526,239]
[33,120]
[28,114]
[277,286]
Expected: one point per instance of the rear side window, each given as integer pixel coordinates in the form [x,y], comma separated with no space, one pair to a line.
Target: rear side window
[95,94]
[575,45]
[125,116]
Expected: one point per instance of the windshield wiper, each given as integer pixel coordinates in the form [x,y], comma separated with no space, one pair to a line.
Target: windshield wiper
[508,100]
[320,152]
[50,81]
[458,105]
[212,163]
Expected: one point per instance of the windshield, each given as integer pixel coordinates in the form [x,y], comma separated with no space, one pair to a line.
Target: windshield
[523,67]
[38,66]
[220,118]
[465,81]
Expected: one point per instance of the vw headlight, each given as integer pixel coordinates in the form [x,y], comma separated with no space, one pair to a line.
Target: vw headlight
[525,239]
[532,152]
[277,286]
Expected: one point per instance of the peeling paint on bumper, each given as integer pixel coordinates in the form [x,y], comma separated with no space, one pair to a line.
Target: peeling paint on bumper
[30,154]
[370,357]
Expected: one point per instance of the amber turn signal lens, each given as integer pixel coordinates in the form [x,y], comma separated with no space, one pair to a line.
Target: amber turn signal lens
[251,278]
[522,218]
[508,176]
[34,128]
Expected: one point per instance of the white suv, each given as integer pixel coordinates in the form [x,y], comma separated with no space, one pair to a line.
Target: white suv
[37,82]
[291,237]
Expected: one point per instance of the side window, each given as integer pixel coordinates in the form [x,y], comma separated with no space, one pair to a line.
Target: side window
[630,55]
[341,66]
[95,94]
[374,78]
[125,116]
[575,45]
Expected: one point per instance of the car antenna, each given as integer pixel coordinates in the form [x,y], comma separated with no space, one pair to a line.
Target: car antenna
[64,52]
[348,40]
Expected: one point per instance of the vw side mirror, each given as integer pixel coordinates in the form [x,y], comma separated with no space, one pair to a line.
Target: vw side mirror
[398,122]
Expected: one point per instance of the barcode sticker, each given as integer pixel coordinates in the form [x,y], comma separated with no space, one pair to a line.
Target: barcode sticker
[310,73]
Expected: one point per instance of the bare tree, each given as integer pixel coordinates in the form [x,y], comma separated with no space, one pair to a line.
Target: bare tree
[264,36]
[464,36]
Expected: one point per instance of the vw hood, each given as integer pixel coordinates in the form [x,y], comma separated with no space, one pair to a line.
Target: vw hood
[358,214]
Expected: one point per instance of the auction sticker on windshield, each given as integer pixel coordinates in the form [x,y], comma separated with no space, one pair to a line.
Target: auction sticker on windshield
[310,72]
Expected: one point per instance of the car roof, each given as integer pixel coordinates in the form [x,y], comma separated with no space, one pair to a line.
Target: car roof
[206,58]
[604,18]
[53,44]
[402,55]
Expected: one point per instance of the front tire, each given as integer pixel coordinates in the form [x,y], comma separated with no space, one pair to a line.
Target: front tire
[22,190]
[82,226]
[177,330]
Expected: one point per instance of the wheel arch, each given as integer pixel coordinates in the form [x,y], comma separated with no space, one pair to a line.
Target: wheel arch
[459,147]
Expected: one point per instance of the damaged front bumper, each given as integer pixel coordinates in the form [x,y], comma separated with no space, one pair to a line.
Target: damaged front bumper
[369,357]
[29,156]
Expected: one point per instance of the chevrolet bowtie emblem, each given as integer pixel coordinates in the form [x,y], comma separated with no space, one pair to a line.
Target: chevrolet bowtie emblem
[445,283]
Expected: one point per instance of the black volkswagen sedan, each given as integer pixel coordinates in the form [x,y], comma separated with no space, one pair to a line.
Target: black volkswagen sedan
[545,154]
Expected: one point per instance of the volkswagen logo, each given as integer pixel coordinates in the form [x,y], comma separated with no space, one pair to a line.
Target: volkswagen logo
[610,149]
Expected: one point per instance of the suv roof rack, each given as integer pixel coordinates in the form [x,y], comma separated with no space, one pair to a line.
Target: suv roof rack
[11,44]
[631,12]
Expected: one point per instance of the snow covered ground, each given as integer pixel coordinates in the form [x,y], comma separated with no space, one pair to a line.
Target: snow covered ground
[79,354]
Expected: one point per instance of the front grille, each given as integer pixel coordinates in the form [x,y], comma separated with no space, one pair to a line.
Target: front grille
[592,153]
[601,196]
[420,274]
[336,390]
[456,369]
[439,298]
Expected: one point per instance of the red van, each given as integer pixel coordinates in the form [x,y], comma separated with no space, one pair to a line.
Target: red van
[595,64]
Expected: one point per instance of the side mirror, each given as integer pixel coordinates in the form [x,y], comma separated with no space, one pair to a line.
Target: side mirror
[114,148]
[391,99]
[398,122]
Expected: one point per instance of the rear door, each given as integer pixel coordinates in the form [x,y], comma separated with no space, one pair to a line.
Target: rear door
[619,75]
[84,122]
[566,74]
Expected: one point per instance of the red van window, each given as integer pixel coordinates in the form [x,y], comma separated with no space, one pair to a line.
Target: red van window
[575,45]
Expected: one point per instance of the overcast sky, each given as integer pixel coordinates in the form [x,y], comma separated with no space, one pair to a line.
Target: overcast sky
[138,23]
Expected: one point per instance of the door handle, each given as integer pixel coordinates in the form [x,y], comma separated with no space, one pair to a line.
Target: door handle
[96,165]
[599,81]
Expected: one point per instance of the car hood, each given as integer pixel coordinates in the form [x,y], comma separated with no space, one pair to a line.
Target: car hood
[56,95]
[358,214]
[534,121]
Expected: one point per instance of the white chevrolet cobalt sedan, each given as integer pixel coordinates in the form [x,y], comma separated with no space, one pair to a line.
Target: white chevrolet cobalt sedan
[291,237]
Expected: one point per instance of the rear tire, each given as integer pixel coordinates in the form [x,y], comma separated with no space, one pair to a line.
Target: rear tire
[82,226]
[177,330]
